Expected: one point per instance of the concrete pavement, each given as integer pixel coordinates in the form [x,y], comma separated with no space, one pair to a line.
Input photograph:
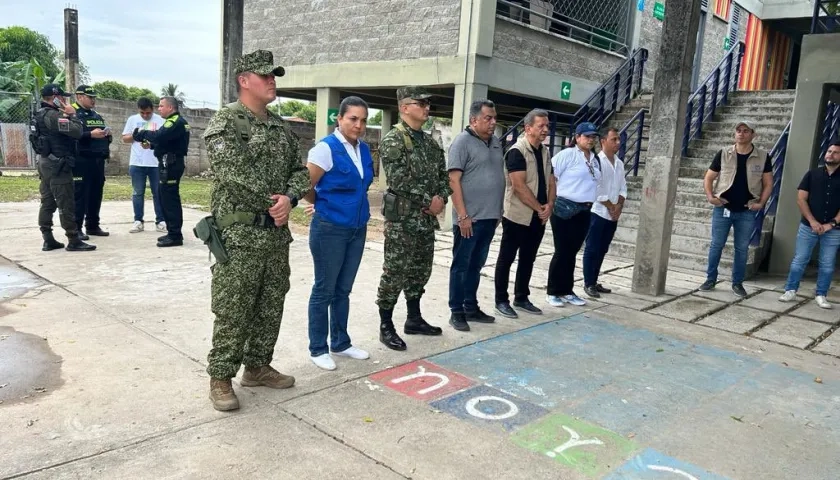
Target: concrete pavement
[102,359]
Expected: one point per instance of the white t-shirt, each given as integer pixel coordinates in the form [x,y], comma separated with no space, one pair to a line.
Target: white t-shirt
[577,177]
[321,154]
[139,156]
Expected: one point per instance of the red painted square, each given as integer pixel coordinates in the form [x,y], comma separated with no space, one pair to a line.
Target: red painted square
[422,380]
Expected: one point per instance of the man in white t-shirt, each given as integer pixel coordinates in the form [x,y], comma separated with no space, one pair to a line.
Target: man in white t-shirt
[143,164]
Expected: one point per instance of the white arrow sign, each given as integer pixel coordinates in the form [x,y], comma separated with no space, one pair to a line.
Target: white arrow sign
[566,90]
[333,117]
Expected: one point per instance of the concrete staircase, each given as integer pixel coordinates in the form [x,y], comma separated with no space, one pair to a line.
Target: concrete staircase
[627,112]
[769,112]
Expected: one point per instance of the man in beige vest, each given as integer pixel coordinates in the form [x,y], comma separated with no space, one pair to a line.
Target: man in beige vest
[529,197]
[738,184]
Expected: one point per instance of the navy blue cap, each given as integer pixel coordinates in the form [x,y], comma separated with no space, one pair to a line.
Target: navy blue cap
[586,128]
[52,89]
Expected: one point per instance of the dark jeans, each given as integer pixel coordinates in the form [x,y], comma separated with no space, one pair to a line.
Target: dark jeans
[170,199]
[138,187]
[88,184]
[336,254]
[601,232]
[568,238]
[468,257]
[525,240]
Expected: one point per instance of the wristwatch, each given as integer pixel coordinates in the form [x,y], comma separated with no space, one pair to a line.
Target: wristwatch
[833,223]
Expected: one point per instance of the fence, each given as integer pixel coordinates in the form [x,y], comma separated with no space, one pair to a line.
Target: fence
[15,111]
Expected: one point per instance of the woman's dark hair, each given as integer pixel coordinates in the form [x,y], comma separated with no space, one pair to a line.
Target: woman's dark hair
[351,102]
[143,103]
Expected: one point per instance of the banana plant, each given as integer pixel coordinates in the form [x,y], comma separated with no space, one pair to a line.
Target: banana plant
[20,87]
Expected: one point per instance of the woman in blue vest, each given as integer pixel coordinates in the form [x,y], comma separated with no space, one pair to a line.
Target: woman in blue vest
[341,170]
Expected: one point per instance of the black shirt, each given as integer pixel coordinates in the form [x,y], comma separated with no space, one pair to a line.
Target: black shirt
[823,193]
[516,163]
[739,193]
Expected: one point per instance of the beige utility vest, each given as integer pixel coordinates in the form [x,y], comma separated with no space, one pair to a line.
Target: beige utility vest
[514,209]
[729,165]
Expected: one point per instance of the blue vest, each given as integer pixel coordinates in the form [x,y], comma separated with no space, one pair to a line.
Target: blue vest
[341,194]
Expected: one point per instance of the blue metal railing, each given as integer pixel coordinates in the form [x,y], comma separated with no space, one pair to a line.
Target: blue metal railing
[622,86]
[631,135]
[825,18]
[714,91]
[777,157]
[830,129]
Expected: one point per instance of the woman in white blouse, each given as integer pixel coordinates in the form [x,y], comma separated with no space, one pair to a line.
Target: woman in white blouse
[578,171]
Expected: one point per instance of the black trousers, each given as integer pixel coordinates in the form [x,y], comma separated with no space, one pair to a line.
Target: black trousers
[526,240]
[568,238]
[170,198]
[88,185]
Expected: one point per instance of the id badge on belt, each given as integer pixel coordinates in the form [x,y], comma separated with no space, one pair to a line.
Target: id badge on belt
[726,212]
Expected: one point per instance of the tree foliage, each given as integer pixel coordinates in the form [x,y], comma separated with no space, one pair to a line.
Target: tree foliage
[118,91]
[295,108]
[22,44]
[171,90]
[375,120]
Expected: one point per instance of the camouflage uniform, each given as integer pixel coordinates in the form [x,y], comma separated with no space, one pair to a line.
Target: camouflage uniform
[416,171]
[248,291]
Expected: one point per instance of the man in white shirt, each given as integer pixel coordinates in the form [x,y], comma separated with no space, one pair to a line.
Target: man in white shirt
[143,164]
[612,191]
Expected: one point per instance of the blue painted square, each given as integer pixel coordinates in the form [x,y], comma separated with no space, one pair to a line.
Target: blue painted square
[652,465]
[490,408]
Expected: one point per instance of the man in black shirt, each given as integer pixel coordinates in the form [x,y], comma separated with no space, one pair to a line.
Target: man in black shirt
[738,184]
[529,197]
[819,201]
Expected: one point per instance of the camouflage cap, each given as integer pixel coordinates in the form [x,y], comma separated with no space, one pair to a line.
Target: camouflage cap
[260,62]
[415,93]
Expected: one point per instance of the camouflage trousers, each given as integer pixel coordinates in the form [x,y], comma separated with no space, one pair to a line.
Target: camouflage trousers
[408,264]
[56,193]
[248,294]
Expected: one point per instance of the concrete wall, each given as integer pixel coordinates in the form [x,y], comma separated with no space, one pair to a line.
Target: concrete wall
[526,45]
[773,9]
[306,32]
[650,37]
[716,31]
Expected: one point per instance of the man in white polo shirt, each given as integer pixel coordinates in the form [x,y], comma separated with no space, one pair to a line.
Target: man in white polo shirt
[143,164]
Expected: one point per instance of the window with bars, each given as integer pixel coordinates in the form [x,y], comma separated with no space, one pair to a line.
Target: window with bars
[704,5]
[722,9]
[734,24]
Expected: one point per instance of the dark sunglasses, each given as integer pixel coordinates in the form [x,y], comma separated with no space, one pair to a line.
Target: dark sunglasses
[420,103]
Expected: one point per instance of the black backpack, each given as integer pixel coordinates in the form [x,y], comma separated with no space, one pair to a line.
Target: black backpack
[38,141]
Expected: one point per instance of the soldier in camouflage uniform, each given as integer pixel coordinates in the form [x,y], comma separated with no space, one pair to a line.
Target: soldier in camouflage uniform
[259,178]
[418,187]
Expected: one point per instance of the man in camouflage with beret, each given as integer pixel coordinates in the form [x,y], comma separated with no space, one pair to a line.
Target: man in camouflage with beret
[259,178]
[418,188]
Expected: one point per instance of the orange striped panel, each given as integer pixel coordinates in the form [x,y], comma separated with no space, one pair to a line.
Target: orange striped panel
[781,45]
[722,8]
[754,63]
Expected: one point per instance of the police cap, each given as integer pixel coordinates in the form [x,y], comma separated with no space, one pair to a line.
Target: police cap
[52,89]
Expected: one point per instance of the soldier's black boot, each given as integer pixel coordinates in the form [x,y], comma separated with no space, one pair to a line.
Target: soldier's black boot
[415,324]
[387,332]
[50,243]
[76,244]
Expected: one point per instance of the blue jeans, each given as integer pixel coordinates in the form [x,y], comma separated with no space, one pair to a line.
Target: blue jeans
[805,242]
[336,254]
[743,224]
[468,258]
[598,241]
[138,186]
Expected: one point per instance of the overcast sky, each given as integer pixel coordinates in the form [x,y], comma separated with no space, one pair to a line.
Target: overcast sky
[146,43]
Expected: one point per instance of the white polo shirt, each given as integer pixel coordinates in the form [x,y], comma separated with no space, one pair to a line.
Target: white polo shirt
[140,156]
[321,154]
[577,177]
[611,186]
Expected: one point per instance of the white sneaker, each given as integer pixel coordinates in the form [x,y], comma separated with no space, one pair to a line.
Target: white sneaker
[788,296]
[353,352]
[554,301]
[161,227]
[324,361]
[822,302]
[574,300]
[137,227]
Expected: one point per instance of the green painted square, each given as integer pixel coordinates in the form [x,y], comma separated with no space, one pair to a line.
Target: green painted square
[587,448]
[565,90]
[332,116]
[659,11]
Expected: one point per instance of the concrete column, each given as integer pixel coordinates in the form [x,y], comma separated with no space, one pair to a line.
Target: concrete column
[71,49]
[672,86]
[327,98]
[389,118]
[819,66]
[232,34]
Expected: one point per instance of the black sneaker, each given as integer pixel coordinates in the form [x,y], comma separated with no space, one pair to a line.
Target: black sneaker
[96,231]
[527,306]
[738,290]
[708,285]
[591,291]
[459,322]
[506,310]
[479,317]
[602,289]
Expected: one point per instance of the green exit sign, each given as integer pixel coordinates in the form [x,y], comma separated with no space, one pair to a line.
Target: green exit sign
[332,116]
[659,11]
[565,90]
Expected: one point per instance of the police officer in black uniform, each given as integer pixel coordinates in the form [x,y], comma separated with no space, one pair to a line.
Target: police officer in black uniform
[89,173]
[170,144]
[55,132]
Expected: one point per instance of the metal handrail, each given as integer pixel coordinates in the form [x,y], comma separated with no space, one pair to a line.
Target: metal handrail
[712,92]
[828,23]
[637,123]
[830,128]
[777,157]
[594,108]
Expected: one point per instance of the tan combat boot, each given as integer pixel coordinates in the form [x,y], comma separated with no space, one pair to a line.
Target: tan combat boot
[265,376]
[222,395]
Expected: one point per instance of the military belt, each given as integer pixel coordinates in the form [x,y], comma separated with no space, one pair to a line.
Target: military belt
[256,219]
